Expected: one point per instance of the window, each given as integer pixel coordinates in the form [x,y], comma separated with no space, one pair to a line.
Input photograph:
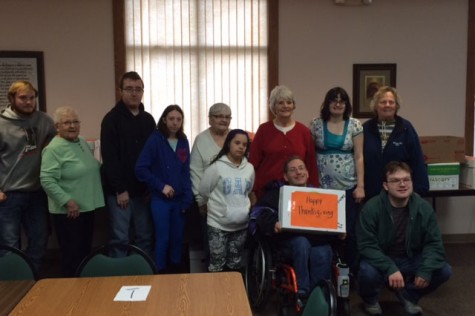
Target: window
[195,53]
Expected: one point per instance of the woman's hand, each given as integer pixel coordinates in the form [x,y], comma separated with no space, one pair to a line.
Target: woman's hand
[3,196]
[253,198]
[358,194]
[168,191]
[73,209]
[203,210]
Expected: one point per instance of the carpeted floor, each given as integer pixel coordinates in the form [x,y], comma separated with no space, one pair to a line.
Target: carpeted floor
[454,298]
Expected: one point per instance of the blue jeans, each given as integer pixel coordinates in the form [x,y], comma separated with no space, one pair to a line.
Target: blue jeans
[372,280]
[169,221]
[136,216]
[311,263]
[29,209]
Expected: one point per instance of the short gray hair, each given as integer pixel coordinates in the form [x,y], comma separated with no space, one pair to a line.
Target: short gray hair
[219,108]
[280,93]
[62,111]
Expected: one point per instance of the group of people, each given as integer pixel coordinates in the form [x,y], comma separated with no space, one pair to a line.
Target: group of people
[149,179]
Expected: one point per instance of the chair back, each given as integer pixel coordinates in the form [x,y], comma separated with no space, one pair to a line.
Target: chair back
[322,300]
[16,265]
[116,260]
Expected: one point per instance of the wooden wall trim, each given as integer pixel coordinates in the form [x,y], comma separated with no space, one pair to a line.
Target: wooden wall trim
[470,89]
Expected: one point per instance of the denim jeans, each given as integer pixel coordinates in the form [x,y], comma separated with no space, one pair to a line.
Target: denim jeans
[29,209]
[169,221]
[311,263]
[372,280]
[137,217]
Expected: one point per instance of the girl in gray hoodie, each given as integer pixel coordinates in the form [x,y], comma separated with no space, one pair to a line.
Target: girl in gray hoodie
[226,185]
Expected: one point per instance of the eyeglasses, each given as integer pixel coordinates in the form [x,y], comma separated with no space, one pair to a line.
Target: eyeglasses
[389,102]
[297,169]
[340,102]
[399,181]
[132,90]
[222,117]
[71,123]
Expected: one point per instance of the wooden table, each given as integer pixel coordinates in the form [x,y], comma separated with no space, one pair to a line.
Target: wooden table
[11,292]
[175,294]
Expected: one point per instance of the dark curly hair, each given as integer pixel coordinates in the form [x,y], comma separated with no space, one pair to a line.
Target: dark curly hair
[332,95]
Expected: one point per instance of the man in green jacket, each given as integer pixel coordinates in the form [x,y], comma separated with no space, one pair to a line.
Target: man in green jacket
[400,244]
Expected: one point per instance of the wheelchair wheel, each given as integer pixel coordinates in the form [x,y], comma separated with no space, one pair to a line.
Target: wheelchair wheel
[287,310]
[343,306]
[258,274]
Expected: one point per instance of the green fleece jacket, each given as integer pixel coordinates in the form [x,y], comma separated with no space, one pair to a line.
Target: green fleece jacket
[375,234]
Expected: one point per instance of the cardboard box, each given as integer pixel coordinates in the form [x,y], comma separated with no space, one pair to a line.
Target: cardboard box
[311,209]
[444,176]
[440,149]
[467,173]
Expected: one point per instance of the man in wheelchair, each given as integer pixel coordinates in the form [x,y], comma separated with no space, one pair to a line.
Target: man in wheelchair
[311,254]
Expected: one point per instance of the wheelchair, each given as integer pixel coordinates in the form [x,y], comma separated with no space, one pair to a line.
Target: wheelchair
[268,271]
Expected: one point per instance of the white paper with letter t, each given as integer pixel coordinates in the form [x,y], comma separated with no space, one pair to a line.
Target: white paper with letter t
[133,293]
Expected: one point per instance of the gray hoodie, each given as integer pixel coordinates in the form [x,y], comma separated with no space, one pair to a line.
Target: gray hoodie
[227,188]
[21,142]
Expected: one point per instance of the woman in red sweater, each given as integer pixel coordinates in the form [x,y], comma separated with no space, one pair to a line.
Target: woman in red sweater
[277,140]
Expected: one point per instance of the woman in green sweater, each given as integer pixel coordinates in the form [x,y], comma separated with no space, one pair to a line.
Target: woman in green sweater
[71,178]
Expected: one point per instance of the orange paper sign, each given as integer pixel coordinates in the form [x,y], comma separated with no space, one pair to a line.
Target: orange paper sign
[312,209]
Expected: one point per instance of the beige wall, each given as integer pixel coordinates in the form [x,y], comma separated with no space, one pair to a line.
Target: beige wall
[77,40]
[319,43]
[427,39]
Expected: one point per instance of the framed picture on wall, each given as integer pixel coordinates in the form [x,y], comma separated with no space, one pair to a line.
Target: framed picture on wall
[367,79]
[22,65]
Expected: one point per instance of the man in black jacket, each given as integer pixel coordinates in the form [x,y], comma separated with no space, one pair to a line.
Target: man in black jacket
[124,131]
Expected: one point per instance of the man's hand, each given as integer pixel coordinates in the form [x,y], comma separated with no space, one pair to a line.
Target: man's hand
[277,227]
[3,196]
[123,199]
[396,280]
[73,209]
[420,283]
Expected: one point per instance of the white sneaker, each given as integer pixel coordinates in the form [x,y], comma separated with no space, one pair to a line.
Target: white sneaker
[373,309]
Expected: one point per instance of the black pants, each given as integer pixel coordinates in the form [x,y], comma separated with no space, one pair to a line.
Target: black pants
[74,238]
